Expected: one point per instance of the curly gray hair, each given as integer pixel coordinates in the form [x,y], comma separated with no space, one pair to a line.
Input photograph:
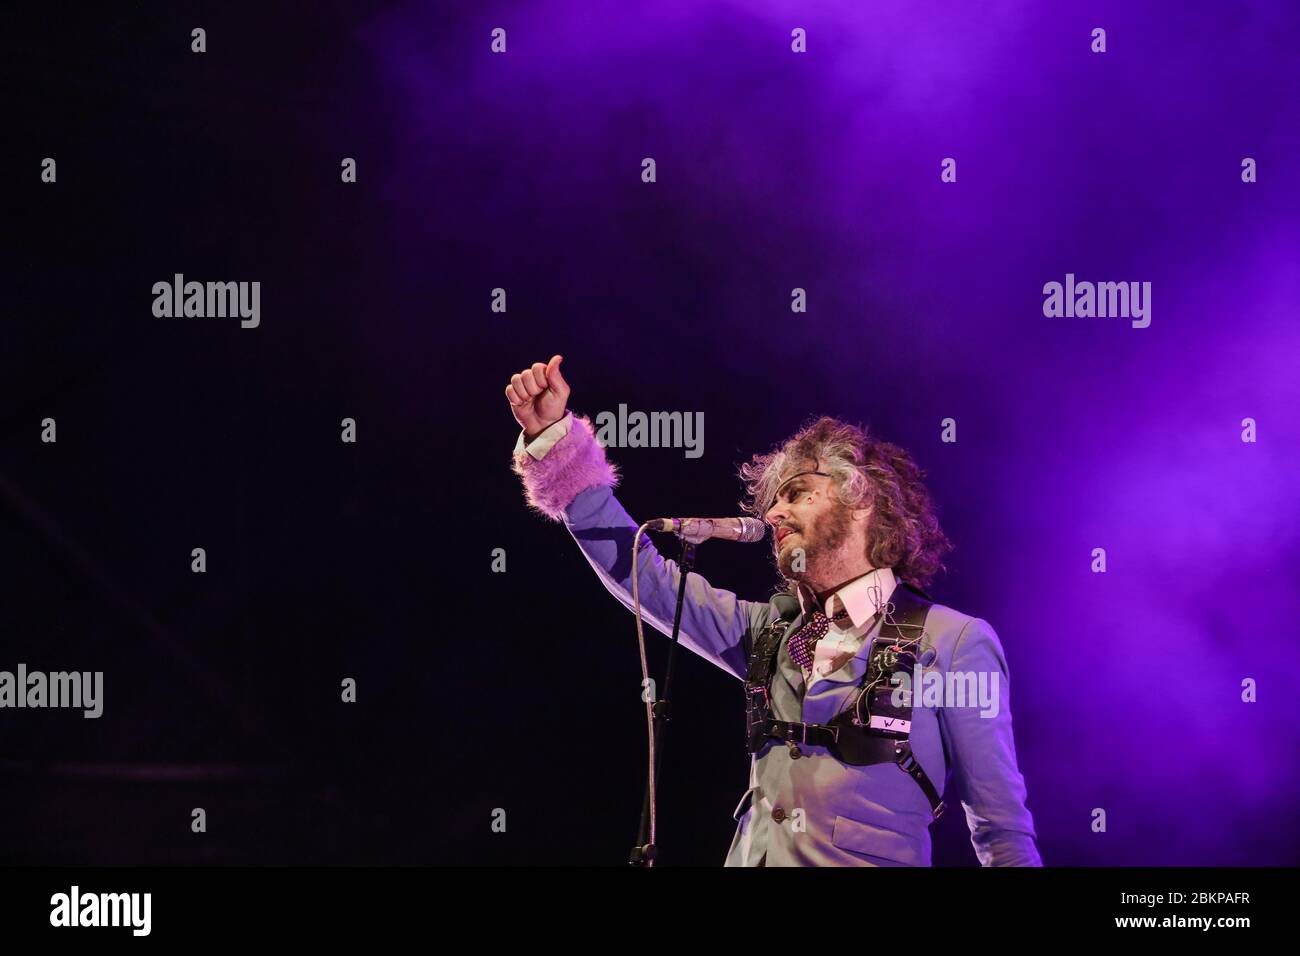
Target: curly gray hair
[866,472]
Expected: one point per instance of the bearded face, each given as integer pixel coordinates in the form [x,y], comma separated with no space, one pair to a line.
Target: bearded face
[810,525]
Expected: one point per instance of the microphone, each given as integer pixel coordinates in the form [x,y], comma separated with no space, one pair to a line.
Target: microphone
[696,530]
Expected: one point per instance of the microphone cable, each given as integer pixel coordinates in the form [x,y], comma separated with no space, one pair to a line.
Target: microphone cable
[645,678]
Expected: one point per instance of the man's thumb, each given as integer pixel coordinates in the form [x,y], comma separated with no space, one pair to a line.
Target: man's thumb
[554,377]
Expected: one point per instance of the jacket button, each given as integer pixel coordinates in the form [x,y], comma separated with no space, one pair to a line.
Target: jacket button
[778,814]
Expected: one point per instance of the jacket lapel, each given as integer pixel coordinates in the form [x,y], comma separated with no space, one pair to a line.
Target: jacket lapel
[785,664]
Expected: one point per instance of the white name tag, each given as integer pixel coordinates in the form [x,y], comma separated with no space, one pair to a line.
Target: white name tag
[896,724]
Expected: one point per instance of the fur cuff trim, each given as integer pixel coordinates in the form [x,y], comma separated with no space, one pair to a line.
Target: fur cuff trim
[573,464]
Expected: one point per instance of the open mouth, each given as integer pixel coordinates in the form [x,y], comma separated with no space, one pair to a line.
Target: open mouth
[783,535]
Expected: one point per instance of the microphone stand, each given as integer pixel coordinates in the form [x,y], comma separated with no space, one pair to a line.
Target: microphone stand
[644,853]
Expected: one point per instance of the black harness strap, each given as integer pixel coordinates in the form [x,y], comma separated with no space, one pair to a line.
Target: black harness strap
[849,740]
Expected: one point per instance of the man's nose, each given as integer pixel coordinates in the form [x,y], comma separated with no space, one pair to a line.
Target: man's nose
[775,515]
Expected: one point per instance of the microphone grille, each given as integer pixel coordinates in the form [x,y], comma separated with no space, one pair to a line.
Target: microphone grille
[751,529]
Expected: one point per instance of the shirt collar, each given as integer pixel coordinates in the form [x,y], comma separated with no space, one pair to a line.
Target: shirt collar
[861,597]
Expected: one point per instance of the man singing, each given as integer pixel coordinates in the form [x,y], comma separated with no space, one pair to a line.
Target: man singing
[863,695]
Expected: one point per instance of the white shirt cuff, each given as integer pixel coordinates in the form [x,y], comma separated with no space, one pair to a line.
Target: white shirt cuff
[540,445]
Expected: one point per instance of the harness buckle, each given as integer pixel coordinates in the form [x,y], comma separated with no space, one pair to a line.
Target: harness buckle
[908,761]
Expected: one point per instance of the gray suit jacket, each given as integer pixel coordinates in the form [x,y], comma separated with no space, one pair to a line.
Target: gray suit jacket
[816,811]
